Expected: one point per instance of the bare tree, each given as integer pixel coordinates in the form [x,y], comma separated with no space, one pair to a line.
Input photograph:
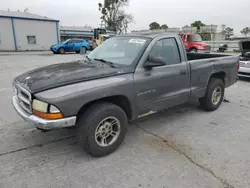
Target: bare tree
[114,16]
[245,31]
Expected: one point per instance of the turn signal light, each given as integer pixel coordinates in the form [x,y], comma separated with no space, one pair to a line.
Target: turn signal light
[48,116]
[238,67]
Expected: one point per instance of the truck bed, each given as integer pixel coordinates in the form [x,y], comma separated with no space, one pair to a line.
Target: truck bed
[197,56]
[204,65]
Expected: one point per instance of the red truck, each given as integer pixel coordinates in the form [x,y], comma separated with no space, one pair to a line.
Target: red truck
[193,43]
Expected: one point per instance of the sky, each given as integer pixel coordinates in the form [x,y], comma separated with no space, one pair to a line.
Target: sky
[176,13]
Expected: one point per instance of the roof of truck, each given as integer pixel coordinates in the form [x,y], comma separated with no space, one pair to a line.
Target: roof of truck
[149,34]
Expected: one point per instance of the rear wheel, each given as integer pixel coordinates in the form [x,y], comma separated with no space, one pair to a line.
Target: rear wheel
[193,50]
[61,50]
[214,95]
[102,129]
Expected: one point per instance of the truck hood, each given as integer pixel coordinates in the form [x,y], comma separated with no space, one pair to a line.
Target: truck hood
[200,44]
[57,75]
[244,46]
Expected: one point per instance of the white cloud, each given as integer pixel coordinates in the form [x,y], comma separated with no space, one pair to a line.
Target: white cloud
[173,13]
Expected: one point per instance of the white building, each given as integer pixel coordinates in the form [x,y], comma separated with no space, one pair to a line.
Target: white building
[25,31]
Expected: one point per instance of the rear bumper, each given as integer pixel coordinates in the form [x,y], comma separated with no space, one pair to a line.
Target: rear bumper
[42,123]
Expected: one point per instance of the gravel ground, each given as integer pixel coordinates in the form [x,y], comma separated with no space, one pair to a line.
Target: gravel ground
[181,147]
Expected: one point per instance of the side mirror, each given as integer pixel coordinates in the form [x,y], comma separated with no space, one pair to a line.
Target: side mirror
[155,62]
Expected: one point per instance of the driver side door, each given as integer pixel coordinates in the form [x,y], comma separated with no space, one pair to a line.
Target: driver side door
[70,46]
[165,86]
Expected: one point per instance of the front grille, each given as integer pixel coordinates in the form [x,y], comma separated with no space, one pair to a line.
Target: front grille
[245,64]
[208,48]
[242,64]
[24,98]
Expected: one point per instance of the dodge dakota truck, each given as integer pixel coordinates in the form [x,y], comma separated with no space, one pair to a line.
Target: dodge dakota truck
[126,77]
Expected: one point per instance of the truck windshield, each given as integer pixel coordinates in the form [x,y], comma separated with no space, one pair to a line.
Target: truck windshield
[120,50]
[196,38]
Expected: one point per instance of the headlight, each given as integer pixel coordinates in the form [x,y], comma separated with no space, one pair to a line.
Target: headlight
[40,106]
[45,110]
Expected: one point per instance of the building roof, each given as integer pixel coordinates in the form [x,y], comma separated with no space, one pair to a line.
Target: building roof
[24,15]
[74,28]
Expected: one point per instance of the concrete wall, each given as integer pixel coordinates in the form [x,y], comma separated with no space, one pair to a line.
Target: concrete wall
[44,31]
[6,34]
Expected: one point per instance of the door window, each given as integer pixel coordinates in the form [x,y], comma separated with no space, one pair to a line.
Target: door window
[167,49]
[187,38]
[31,39]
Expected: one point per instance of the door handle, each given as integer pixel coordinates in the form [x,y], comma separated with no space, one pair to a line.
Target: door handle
[183,72]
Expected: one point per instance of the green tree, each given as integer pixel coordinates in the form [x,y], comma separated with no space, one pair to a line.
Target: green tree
[245,31]
[229,32]
[154,25]
[197,24]
[164,26]
[114,16]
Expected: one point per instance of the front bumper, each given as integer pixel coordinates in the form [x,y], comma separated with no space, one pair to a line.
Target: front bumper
[244,72]
[42,123]
[53,49]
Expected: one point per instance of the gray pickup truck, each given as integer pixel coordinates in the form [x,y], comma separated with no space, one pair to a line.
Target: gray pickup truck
[125,78]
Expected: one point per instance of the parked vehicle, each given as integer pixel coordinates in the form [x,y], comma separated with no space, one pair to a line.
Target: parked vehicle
[193,43]
[222,48]
[71,45]
[125,78]
[99,37]
[244,70]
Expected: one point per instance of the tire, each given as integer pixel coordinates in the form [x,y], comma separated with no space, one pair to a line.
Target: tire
[88,126]
[77,52]
[193,50]
[214,95]
[61,50]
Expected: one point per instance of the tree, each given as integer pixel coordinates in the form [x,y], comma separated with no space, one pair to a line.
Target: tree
[245,31]
[164,26]
[229,32]
[154,25]
[197,24]
[113,15]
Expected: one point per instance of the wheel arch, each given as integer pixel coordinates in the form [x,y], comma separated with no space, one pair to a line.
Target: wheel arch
[193,47]
[219,75]
[119,100]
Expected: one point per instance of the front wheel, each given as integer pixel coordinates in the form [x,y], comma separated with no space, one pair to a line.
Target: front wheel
[214,95]
[61,50]
[193,50]
[102,129]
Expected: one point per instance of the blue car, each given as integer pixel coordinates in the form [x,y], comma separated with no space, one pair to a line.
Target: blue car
[71,45]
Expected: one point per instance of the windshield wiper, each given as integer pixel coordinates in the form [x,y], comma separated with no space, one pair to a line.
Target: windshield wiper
[105,61]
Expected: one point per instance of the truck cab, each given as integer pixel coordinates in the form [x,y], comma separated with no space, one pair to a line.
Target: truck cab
[193,43]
